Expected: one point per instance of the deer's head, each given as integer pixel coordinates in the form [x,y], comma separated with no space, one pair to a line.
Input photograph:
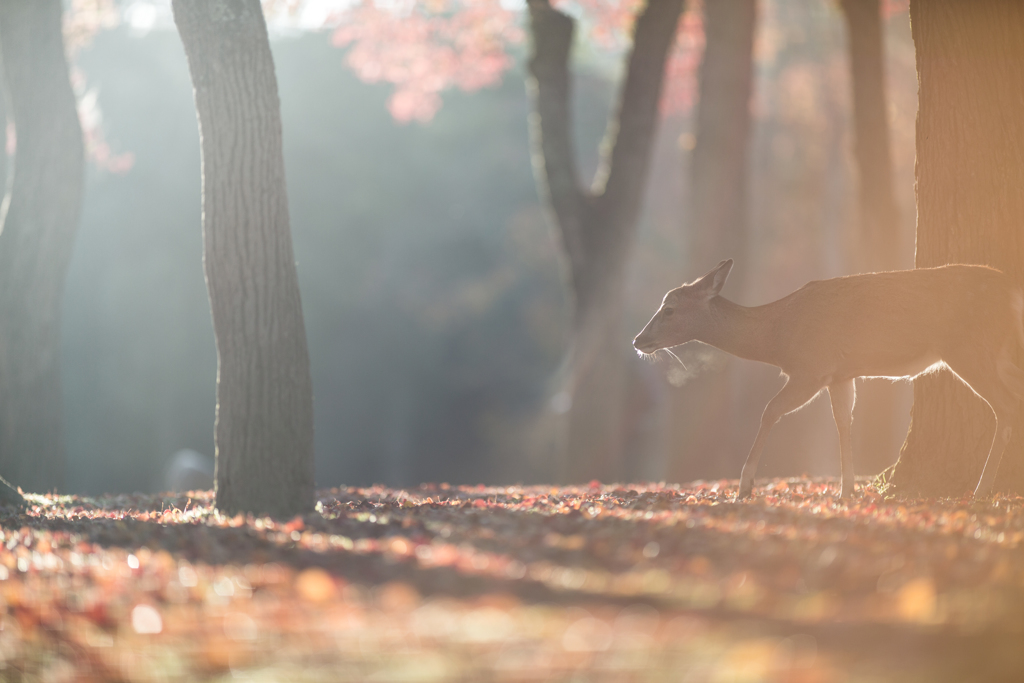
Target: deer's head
[683,313]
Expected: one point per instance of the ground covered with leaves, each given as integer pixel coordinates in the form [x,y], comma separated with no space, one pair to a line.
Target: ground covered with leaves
[595,583]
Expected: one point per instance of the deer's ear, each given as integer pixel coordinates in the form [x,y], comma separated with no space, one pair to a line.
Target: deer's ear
[711,283]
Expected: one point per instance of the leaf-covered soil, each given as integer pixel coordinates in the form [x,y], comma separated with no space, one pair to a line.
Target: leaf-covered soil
[595,583]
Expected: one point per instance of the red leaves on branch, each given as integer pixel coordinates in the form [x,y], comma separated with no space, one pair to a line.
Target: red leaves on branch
[424,48]
[83,20]
[891,8]
[680,91]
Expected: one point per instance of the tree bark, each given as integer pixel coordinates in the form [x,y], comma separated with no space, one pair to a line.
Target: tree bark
[40,217]
[970,170]
[877,244]
[264,426]
[596,225]
[716,225]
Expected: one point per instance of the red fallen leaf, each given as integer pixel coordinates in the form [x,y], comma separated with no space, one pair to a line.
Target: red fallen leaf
[776,542]
[28,620]
[98,614]
[401,546]
[594,485]
[219,652]
[314,585]
[398,596]
[295,525]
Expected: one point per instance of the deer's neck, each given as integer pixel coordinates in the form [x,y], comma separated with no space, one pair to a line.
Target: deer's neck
[741,331]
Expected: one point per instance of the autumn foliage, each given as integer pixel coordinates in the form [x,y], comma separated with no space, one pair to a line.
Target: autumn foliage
[82,22]
[424,48]
[637,582]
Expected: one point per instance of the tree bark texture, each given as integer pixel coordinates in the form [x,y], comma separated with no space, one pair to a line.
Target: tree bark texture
[702,411]
[264,426]
[877,244]
[40,217]
[596,225]
[970,209]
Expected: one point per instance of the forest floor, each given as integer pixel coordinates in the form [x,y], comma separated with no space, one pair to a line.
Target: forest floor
[592,583]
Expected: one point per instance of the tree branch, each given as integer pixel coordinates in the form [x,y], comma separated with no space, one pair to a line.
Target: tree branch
[626,149]
[554,159]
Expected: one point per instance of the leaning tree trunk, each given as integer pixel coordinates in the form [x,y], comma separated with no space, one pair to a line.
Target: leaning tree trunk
[970,209]
[702,411]
[877,246]
[264,429]
[43,204]
[596,225]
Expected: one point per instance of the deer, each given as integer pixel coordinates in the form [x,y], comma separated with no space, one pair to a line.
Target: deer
[897,324]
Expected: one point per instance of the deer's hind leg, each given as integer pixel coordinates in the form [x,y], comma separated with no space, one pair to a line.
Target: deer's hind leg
[997,383]
[794,395]
[1005,402]
[844,395]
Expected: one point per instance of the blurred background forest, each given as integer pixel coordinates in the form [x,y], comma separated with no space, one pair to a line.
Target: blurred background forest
[432,282]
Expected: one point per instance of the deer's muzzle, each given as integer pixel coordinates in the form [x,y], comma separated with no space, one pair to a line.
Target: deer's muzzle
[643,344]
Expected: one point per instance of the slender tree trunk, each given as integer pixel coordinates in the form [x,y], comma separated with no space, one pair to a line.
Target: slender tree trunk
[264,429]
[703,409]
[879,243]
[40,216]
[970,209]
[596,225]
[877,246]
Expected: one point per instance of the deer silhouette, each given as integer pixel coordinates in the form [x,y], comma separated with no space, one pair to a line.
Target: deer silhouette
[898,324]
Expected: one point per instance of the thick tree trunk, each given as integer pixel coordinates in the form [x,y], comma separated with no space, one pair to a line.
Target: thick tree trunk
[877,246]
[970,209]
[41,213]
[596,436]
[596,225]
[703,409]
[264,429]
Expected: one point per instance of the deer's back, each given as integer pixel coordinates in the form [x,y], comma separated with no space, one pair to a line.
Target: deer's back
[896,323]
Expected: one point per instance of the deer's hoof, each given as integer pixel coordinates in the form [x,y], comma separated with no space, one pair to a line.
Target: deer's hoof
[746,491]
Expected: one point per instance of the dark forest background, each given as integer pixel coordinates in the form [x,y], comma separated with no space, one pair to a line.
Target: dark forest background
[433,294]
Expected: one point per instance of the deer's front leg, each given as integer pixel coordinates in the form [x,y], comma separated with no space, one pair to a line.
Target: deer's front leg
[792,396]
[844,395]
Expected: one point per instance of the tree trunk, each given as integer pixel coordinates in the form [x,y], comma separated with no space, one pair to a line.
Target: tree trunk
[596,225]
[264,428]
[970,208]
[879,243]
[40,217]
[877,247]
[702,411]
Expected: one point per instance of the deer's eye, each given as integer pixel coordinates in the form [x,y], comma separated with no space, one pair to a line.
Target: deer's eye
[666,311]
